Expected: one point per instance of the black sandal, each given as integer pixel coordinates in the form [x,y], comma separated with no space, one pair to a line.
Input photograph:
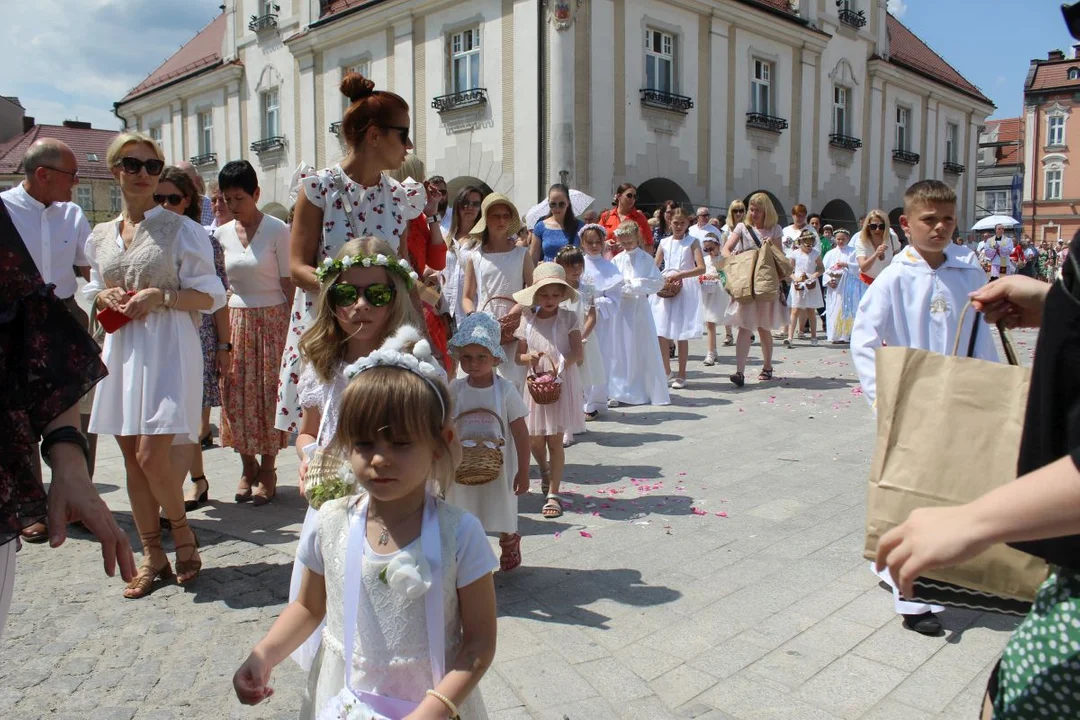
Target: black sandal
[738,378]
[202,498]
[765,374]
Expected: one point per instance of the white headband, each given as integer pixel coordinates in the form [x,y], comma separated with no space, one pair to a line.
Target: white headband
[418,361]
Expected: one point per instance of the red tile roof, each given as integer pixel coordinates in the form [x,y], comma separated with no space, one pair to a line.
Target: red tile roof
[82,141]
[1008,130]
[198,54]
[333,7]
[1054,74]
[907,50]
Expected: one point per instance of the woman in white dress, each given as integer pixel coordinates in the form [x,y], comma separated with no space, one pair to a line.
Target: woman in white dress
[152,270]
[759,315]
[352,199]
[497,268]
[875,245]
[843,288]
[678,319]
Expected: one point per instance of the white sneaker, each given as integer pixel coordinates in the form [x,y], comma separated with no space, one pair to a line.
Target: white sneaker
[710,359]
[613,403]
[787,343]
[813,342]
[678,384]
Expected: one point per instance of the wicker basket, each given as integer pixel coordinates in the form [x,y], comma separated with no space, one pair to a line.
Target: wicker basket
[672,287]
[508,323]
[324,474]
[544,392]
[480,464]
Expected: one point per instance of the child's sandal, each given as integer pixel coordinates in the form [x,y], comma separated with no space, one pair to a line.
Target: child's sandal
[738,379]
[553,507]
[511,552]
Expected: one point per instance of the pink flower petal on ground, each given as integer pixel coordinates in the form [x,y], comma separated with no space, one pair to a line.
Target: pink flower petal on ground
[721,514]
[772,398]
[698,511]
[682,473]
[586,534]
[558,535]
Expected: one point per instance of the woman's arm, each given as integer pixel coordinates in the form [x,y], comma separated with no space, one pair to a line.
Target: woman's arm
[732,241]
[527,270]
[469,296]
[536,250]
[304,243]
[288,289]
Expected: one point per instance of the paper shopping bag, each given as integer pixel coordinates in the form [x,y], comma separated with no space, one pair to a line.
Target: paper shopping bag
[949,432]
[739,271]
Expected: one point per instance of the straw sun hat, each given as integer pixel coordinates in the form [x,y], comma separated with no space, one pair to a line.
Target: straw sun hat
[497,199]
[546,273]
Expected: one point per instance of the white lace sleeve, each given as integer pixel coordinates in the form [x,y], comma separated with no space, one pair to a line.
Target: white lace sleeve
[310,389]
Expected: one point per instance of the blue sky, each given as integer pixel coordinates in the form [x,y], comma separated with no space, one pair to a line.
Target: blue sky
[89,53]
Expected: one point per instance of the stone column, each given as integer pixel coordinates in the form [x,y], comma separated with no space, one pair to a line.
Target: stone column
[306,133]
[561,86]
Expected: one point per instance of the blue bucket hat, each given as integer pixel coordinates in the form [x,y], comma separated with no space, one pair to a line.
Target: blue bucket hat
[479,329]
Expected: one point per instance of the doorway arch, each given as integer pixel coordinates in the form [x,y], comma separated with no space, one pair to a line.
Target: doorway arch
[781,209]
[840,215]
[652,194]
[894,223]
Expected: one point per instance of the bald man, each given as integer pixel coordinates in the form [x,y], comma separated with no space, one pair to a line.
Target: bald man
[205,206]
[54,230]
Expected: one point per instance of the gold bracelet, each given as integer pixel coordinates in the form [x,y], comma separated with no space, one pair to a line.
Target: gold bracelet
[445,701]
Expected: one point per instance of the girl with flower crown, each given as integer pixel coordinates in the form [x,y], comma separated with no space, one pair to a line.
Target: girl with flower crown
[607,282]
[364,299]
[403,580]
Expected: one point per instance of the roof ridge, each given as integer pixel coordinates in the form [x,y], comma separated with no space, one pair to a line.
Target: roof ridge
[920,65]
[145,84]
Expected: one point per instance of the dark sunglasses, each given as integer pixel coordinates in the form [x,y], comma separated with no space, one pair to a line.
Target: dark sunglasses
[557,205]
[738,212]
[875,226]
[132,166]
[346,294]
[469,203]
[703,214]
[630,195]
[170,199]
[403,132]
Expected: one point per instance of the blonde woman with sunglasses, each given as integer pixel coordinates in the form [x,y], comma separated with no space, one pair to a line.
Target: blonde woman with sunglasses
[875,245]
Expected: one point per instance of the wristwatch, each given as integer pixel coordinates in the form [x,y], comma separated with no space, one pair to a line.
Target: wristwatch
[226,346]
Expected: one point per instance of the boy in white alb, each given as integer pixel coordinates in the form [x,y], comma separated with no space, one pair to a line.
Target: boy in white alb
[916,302]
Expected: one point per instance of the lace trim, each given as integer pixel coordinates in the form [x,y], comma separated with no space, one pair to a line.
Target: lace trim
[366,664]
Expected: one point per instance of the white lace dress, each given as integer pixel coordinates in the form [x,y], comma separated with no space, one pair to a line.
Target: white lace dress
[391,656]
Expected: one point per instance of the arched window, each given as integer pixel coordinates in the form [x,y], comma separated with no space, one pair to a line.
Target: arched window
[1074,73]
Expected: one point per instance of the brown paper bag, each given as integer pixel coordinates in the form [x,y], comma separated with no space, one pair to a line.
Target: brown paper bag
[739,271]
[948,432]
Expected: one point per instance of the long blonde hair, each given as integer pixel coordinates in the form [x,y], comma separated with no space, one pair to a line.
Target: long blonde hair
[864,233]
[728,224]
[762,200]
[403,405]
[323,343]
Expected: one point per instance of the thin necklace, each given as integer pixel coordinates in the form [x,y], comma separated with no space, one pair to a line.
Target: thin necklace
[384,535]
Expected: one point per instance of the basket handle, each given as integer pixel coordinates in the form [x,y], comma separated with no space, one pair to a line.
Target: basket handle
[496,297]
[502,427]
[536,365]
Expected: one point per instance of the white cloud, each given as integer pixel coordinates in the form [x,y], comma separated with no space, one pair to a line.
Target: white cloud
[75,58]
[897,7]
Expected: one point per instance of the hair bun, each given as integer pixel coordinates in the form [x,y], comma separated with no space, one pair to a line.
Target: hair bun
[356,87]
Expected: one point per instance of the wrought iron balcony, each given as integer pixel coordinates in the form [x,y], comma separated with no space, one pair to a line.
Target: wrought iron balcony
[761,121]
[277,142]
[335,127]
[666,100]
[852,18]
[954,168]
[463,99]
[905,156]
[204,159]
[845,142]
[262,22]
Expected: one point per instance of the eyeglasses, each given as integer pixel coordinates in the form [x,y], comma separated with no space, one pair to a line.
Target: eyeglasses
[876,226]
[403,133]
[133,166]
[469,203]
[703,215]
[557,205]
[738,211]
[170,199]
[74,175]
[345,294]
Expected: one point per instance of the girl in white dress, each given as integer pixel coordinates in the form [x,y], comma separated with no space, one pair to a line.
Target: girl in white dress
[843,288]
[402,579]
[477,396]
[607,282]
[496,269]
[549,342]
[593,375]
[353,199]
[678,319]
[804,297]
[352,319]
[714,298]
[637,376]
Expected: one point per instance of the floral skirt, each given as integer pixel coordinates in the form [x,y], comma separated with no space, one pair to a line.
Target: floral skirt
[211,395]
[250,387]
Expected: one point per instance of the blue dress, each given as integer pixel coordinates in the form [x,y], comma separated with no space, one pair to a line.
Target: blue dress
[554,240]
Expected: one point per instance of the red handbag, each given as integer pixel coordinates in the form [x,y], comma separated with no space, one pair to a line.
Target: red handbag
[112,320]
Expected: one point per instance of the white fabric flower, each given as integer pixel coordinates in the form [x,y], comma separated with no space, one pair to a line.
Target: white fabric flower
[382,260]
[405,264]
[408,575]
[328,262]
[366,262]
[347,262]
[346,706]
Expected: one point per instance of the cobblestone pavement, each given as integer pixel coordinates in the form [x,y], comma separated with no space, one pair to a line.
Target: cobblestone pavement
[711,567]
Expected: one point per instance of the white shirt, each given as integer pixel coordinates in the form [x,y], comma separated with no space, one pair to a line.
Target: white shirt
[864,249]
[791,235]
[703,232]
[54,235]
[255,271]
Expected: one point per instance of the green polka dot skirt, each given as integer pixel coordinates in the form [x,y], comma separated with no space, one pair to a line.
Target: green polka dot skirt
[1040,670]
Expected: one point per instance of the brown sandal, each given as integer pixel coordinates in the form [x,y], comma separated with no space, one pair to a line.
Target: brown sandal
[264,491]
[193,564]
[243,490]
[145,581]
[511,552]
[765,374]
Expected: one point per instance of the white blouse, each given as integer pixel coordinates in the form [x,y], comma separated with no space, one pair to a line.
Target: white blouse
[255,271]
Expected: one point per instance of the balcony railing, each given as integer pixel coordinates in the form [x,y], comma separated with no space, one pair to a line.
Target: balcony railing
[335,127]
[761,121]
[463,99]
[204,159]
[954,168]
[905,156]
[845,142]
[277,142]
[666,100]
[262,22]
[853,18]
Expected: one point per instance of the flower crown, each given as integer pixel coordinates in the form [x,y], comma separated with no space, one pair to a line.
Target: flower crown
[418,360]
[331,267]
[594,226]
[627,230]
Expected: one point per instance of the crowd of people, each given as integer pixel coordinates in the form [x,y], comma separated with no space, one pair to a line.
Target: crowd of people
[423,352]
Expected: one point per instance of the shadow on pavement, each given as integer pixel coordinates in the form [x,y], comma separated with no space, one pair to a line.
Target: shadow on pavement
[252,585]
[817,383]
[606,474]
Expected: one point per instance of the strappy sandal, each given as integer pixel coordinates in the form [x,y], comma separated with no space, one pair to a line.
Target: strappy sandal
[264,491]
[738,379]
[145,581]
[552,508]
[193,564]
[200,499]
[765,374]
[545,480]
[243,490]
[511,552]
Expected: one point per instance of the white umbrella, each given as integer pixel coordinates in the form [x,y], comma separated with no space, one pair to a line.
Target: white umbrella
[989,223]
[578,200]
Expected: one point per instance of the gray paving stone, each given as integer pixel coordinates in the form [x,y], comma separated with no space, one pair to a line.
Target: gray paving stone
[614,681]
[850,686]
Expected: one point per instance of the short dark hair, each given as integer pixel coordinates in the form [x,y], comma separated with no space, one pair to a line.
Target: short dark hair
[238,174]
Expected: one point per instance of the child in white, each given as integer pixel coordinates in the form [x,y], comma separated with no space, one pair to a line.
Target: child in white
[916,302]
[638,376]
[592,373]
[804,298]
[678,319]
[844,289]
[476,396]
[714,299]
[607,283]
[402,578]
